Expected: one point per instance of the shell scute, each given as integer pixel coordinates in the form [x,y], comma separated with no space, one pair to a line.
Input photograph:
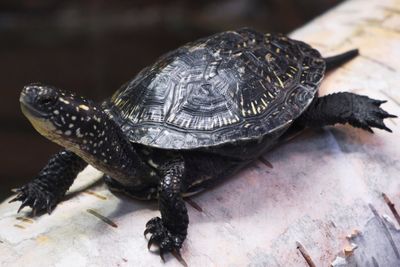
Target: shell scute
[235,85]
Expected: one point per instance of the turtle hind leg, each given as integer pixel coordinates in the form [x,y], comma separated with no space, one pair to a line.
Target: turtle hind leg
[338,60]
[357,110]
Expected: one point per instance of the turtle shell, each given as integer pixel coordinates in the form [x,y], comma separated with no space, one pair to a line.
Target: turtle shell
[234,85]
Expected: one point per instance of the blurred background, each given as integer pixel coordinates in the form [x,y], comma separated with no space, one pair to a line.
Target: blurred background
[93,46]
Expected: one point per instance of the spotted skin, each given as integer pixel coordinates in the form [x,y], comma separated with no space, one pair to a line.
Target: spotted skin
[199,114]
[84,128]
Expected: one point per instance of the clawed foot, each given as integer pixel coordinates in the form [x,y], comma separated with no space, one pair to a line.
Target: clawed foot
[163,238]
[367,113]
[36,197]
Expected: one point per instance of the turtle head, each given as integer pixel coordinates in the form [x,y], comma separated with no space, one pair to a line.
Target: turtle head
[59,115]
[83,127]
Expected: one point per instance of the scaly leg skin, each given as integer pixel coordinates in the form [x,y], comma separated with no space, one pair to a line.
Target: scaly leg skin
[169,231]
[357,110]
[51,184]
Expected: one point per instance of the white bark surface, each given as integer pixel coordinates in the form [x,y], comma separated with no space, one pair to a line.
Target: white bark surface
[324,185]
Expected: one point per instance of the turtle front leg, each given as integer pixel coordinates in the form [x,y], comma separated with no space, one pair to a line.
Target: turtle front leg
[358,110]
[52,182]
[169,231]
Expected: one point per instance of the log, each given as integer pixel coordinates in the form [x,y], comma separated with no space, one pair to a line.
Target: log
[325,198]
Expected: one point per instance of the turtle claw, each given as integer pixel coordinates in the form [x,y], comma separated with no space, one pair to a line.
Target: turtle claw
[162,255]
[178,256]
[146,232]
[34,210]
[16,190]
[49,206]
[367,113]
[36,197]
[151,242]
[163,238]
[17,198]
[49,210]
[23,205]
[378,102]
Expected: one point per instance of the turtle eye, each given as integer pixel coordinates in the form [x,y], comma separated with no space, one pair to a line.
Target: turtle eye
[46,101]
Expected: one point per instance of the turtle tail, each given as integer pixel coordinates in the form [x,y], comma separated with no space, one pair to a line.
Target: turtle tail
[336,61]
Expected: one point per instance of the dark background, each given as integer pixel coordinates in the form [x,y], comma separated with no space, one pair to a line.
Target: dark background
[92,47]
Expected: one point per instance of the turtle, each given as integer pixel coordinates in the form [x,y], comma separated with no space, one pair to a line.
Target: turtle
[199,114]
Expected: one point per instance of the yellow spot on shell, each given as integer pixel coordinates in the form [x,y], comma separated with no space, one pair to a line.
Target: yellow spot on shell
[268,57]
[279,80]
[253,108]
[265,103]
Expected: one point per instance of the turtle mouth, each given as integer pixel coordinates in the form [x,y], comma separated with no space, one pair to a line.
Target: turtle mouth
[28,109]
[40,121]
